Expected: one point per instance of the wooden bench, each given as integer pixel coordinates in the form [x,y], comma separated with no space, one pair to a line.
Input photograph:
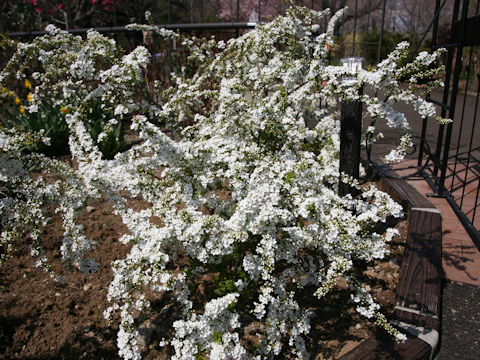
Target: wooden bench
[417,310]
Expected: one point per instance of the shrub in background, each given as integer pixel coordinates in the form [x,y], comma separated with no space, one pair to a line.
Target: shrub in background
[69,76]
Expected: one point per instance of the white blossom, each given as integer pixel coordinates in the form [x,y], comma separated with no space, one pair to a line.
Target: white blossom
[237,164]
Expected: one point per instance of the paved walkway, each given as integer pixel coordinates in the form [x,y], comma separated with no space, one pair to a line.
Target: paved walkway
[460,256]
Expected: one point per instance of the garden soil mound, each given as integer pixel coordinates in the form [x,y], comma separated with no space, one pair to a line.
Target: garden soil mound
[42,319]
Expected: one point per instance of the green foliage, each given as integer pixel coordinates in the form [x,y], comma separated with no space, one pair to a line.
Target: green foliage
[289,177]
[51,119]
[217,337]
[224,286]
[466,75]
[48,118]
[96,121]
[7,46]
[200,355]
[4,41]
[389,42]
[69,84]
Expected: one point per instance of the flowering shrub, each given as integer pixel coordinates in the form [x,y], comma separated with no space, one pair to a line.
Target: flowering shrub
[243,187]
[76,78]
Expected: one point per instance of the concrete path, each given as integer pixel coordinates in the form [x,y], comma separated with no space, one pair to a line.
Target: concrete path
[461,258]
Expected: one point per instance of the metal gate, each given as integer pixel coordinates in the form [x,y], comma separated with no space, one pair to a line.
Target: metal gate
[449,155]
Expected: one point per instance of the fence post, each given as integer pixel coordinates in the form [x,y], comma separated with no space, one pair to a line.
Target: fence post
[350,133]
[169,48]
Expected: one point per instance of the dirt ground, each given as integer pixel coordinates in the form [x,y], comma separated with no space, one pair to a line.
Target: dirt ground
[41,319]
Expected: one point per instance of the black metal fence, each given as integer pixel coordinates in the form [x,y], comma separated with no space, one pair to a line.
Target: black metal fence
[359,33]
[353,35]
[449,154]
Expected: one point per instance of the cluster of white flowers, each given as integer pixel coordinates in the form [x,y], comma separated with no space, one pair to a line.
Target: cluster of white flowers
[245,183]
[26,201]
[76,75]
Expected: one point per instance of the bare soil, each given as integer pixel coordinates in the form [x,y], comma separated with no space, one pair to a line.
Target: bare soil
[41,319]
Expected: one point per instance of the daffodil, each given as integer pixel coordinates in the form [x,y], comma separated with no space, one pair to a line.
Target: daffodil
[17,100]
[4,91]
[30,97]
[21,109]
[64,110]
[28,84]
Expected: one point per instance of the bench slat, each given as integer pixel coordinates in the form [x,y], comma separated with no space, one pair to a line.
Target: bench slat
[384,348]
[420,273]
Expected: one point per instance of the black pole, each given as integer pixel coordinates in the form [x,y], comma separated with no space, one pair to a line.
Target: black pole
[453,99]
[350,135]
[368,17]
[169,11]
[446,94]
[355,27]
[190,5]
[425,119]
[379,52]
[169,49]
[238,15]
[435,24]
[259,10]
[114,14]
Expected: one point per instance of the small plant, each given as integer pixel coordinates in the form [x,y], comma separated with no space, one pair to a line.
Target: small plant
[106,131]
[47,118]
[51,120]
[94,84]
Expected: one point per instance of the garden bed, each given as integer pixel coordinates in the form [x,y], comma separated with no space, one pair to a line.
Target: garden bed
[40,318]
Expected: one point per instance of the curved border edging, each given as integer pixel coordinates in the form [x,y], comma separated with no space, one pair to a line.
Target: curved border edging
[417,310]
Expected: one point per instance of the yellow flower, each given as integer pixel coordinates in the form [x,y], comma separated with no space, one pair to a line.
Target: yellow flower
[29,96]
[28,84]
[64,110]
[17,100]
[4,91]
[10,93]
[21,109]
